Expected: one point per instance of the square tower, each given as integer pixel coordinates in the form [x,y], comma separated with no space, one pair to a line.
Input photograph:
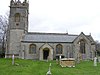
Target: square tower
[18,26]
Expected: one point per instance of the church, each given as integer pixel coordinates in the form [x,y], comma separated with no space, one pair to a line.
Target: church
[43,46]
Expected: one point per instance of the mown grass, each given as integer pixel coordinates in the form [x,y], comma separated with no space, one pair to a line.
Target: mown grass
[32,67]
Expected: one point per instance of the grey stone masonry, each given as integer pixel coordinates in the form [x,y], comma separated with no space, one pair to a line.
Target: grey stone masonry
[43,46]
[18,26]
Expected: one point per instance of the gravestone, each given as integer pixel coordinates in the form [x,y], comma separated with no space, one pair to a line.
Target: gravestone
[13,59]
[60,59]
[95,61]
[99,59]
[49,71]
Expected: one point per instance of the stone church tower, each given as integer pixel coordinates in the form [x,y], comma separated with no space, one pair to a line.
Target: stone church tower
[18,26]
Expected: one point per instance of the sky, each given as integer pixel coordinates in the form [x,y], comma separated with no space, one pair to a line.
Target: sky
[62,16]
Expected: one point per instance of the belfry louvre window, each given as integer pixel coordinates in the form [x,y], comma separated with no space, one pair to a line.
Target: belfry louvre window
[32,49]
[82,46]
[59,49]
[17,17]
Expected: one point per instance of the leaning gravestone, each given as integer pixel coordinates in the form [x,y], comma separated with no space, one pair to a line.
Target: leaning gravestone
[95,61]
[49,71]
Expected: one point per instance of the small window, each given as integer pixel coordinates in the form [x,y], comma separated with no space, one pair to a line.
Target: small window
[17,17]
[59,49]
[32,49]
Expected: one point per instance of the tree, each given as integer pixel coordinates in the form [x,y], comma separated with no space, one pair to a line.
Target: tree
[3,30]
[98,48]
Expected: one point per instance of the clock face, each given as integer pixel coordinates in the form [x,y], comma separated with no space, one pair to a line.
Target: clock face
[17,24]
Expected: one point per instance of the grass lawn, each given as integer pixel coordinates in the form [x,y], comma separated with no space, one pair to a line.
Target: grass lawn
[30,67]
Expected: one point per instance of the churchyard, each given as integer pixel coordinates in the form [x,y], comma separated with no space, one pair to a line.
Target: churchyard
[35,67]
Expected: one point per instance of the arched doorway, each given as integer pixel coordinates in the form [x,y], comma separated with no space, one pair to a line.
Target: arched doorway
[45,53]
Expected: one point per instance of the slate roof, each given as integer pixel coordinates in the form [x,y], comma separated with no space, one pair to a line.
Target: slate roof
[90,37]
[49,37]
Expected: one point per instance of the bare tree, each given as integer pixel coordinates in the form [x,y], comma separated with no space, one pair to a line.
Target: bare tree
[3,30]
[98,48]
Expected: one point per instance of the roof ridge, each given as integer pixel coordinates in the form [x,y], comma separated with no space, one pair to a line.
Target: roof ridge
[73,35]
[48,33]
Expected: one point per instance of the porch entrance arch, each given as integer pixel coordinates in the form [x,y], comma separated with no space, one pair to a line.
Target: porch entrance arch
[46,52]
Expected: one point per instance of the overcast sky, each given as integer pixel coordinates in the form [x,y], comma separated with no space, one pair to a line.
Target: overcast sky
[61,16]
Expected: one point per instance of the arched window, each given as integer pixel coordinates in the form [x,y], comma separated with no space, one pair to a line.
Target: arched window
[59,49]
[17,17]
[32,49]
[82,46]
